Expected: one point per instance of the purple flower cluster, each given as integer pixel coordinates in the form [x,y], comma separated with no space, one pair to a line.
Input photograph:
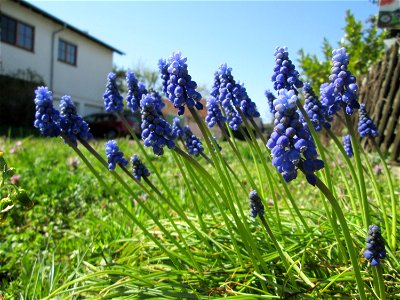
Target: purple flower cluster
[178,84]
[285,75]
[192,142]
[214,113]
[135,91]
[342,90]
[177,129]
[47,118]
[156,132]
[270,98]
[366,126]
[139,170]
[112,98]
[347,145]
[375,246]
[158,103]
[256,206]
[247,106]
[71,122]
[229,94]
[114,156]
[314,108]
[291,144]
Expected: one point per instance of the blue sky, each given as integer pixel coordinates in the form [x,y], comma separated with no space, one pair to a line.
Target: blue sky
[243,34]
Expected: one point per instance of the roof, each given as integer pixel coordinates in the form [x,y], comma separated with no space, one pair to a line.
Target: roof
[66,25]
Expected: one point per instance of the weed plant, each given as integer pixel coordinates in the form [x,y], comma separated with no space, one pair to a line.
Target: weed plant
[280,218]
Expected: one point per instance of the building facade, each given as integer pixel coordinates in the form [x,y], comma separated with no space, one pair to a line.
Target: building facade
[68,60]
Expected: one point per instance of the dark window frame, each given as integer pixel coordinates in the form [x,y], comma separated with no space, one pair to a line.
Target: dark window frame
[65,57]
[19,23]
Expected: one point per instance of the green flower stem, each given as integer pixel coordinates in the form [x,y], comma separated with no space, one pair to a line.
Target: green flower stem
[350,165]
[259,133]
[360,171]
[346,233]
[346,183]
[147,157]
[243,228]
[321,149]
[142,205]
[389,180]
[381,282]
[122,206]
[285,257]
[379,197]
[173,206]
[271,179]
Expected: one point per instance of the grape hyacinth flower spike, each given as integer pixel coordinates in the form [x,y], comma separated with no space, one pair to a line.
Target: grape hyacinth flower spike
[290,143]
[314,108]
[178,84]
[72,124]
[227,92]
[139,170]
[366,126]
[247,106]
[192,142]
[112,98]
[342,90]
[375,246]
[156,132]
[270,98]
[114,156]
[135,91]
[214,113]
[347,145]
[47,118]
[285,75]
[177,129]
[256,206]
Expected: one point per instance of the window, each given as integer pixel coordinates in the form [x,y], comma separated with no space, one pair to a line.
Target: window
[16,33]
[67,52]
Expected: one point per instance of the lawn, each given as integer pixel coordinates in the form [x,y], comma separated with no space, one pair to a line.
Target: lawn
[185,242]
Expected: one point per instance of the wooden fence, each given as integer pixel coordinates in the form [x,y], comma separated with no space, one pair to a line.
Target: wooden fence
[380,91]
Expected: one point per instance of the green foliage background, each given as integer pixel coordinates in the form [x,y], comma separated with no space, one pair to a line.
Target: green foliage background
[364,43]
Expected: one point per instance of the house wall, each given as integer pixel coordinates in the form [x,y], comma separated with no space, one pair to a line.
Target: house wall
[85,82]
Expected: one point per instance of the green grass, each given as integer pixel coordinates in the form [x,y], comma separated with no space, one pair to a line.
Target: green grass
[76,243]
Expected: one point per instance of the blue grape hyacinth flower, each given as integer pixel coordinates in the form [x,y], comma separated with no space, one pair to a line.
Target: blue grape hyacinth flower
[177,129]
[375,246]
[156,132]
[285,75]
[214,113]
[366,126]
[347,145]
[314,108]
[135,91]
[192,142]
[114,156]
[139,170]
[290,143]
[47,118]
[72,124]
[342,89]
[112,98]
[270,98]
[178,84]
[158,102]
[247,106]
[256,206]
[228,94]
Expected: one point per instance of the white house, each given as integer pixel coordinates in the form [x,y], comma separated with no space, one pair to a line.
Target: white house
[69,60]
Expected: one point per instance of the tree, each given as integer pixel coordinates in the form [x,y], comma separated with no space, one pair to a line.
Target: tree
[364,43]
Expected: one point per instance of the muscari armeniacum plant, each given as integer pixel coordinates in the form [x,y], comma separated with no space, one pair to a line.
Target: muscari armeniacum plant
[291,145]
